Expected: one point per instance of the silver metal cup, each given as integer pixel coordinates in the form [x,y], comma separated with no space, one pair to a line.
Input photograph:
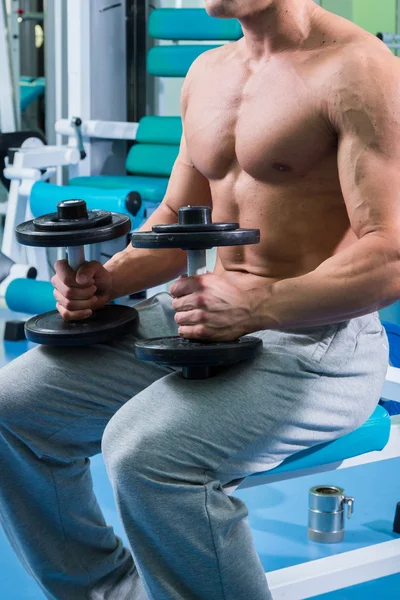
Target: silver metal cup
[326,513]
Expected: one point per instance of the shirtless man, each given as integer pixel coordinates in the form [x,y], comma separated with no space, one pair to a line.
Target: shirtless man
[294,129]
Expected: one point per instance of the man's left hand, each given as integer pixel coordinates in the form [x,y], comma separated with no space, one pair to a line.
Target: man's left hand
[208,307]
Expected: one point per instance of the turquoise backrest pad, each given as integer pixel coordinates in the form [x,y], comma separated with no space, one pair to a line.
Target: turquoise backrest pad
[159,130]
[158,140]
[191,24]
[151,159]
[173,61]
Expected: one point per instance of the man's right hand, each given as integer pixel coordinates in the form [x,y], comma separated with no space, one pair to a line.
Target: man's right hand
[79,294]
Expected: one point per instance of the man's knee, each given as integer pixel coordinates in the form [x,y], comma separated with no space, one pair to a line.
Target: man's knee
[139,447]
[135,443]
[126,444]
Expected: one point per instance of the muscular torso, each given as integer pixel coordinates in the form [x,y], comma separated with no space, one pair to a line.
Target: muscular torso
[261,136]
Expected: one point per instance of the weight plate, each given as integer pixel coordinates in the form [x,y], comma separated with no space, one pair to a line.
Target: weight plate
[195,241]
[179,352]
[190,228]
[106,324]
[96,218]
[28,236]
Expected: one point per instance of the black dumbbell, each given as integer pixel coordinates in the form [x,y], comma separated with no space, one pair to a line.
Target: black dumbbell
[73,227]
[196,233]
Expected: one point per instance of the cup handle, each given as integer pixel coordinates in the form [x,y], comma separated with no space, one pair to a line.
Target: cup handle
[350,505]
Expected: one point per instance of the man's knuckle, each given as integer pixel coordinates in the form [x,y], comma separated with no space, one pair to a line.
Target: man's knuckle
[69,292]
[69,304]
[200,299]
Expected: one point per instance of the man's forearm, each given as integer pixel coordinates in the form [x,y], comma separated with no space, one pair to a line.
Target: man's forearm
[136,269]
[359,280]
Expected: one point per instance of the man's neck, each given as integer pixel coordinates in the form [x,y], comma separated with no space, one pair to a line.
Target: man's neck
[281,25]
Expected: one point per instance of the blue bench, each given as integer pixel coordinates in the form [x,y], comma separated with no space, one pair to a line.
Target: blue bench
[370,437]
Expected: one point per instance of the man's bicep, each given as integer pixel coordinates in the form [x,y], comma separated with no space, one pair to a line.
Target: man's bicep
[186,184]
[368,129]
[370,182]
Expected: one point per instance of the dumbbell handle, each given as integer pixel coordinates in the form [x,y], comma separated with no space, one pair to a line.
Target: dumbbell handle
[196,262]
[76,257]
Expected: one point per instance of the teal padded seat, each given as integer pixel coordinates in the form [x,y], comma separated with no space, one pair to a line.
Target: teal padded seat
[151,189]
[45,196]
[191,24]
[372,436]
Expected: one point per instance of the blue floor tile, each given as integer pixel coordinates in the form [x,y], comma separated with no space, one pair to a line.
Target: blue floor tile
[278,513]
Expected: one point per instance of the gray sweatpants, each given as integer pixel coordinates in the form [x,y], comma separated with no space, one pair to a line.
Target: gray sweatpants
[174,449]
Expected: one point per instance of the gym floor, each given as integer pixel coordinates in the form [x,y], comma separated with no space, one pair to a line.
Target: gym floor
[277,515]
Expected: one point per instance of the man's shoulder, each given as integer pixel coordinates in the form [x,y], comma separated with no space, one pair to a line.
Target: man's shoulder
[201,69]
[363,79]
[360,64]
[359,53]
[212,58]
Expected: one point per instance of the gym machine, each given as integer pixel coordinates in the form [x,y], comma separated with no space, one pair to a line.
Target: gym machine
[12,268]
[96,130]
[96,139]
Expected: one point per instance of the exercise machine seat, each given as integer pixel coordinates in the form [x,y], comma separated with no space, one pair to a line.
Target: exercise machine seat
[371,436]
[45,197]
[151,189]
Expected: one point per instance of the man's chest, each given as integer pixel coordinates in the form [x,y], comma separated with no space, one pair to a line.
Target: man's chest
[269,127]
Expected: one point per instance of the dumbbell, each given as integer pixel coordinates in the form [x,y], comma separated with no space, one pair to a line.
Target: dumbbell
[73,227]
[196,233]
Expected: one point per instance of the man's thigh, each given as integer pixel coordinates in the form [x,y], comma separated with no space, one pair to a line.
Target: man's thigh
[63,397]
[306,388]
